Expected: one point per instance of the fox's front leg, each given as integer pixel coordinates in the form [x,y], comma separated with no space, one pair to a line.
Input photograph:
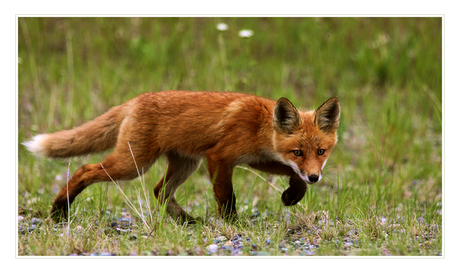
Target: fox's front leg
[295,192]
[273,167]
[221,177]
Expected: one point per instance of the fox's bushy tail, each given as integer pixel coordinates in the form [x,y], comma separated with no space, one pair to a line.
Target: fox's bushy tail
[97,135]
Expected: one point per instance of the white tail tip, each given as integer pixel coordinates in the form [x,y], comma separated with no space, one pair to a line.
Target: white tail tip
[37,145]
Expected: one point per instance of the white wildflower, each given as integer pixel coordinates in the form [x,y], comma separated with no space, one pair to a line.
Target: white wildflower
[245,33]
[222,27]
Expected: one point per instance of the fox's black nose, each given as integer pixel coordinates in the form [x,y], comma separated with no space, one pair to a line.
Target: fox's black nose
[313,178]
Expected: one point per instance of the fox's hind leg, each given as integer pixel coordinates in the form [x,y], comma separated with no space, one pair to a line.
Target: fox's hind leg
[180,167]
[120,165]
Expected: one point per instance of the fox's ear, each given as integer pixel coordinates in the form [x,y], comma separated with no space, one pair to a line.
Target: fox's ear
[327,115]
[285,116]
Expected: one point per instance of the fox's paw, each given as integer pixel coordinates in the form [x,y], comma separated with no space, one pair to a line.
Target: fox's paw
[190,222]
[291,197]
[295,192]
[58,213]
[196,220]
[230,217]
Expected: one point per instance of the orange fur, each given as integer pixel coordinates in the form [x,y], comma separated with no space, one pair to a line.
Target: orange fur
[225,128]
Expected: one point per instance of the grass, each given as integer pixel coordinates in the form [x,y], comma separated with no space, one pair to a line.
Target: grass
[382,190]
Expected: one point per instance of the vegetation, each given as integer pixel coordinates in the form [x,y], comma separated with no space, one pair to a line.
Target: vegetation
[382,191]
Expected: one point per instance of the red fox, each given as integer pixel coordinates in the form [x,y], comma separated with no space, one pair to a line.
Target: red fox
[225,128]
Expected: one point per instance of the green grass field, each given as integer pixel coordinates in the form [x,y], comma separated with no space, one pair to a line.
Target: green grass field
[382,190]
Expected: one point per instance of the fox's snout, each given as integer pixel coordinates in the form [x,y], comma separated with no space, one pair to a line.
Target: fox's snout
[313,178]
[304,175]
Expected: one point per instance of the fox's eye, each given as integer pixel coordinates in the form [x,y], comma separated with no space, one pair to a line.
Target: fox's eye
[298,153]
[321,152]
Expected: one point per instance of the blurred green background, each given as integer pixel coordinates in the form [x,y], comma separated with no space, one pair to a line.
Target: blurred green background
[105,61]
[386,72]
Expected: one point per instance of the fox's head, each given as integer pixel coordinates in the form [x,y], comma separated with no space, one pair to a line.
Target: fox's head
[304,140]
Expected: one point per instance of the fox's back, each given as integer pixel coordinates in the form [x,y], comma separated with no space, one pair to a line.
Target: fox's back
[195,121]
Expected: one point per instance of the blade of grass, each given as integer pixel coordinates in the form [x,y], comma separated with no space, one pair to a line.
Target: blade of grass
[264,179]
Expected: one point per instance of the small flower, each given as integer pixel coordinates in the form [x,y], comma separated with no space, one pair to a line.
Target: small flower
[383,219]
[212,248]
[245,33]
[222,27]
